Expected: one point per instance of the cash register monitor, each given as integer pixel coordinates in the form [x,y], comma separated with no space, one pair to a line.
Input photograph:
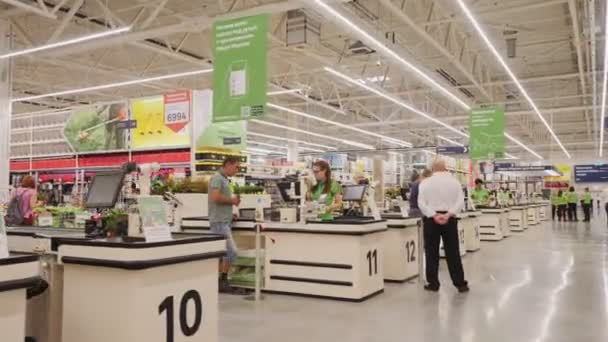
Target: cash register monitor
[104,190]
[353,193]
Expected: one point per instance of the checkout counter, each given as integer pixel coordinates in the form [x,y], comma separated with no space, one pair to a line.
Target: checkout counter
[493,223]
[122,289]
[402,248]
[518,218]
[17,274]
[472,238]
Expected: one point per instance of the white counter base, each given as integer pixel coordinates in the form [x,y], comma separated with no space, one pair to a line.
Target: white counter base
[401,250]
[472,240]
[490,224]
[518,220]
[17,274]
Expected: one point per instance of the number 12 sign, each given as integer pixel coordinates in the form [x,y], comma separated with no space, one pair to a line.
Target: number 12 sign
[177,110]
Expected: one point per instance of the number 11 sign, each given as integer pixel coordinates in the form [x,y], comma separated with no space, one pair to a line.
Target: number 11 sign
[177,110]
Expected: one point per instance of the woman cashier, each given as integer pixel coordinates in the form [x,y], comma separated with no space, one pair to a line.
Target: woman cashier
[327,191]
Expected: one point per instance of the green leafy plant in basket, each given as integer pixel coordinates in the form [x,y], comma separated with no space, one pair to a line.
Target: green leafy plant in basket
[115,222]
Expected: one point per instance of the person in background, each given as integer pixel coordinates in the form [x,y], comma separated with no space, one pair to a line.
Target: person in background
[28,201]
[480,195]
[327,190]
[554,204]
[440,199]
[503,196]
[221,202]
[587,203]
[572,204]
[414,190]
[562,206]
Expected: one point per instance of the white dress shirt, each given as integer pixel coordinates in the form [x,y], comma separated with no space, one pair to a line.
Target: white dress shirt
[440,192]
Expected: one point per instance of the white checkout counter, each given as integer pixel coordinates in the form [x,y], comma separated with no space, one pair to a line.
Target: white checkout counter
[533,211]
[17,274]
[545,211]
[493,223]
[402,252]
[341,259]
[112,290]
[472,241]
[518,218]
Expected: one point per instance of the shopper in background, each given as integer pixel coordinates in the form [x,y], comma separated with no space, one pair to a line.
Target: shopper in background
[24,199]
[562,206]
[221,202]
[554,204]
[572,204]
[414,190]
[587,203]
[480,195]
[327,191]
[440,199]
[503,196]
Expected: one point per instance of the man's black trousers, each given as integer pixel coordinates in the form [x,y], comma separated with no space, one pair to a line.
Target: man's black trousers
[433,233]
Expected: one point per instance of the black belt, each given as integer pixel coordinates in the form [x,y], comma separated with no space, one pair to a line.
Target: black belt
[442,212]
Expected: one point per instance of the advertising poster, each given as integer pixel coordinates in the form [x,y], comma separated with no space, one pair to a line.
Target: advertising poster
[560,181]
[161,121]
[98,128]
[228,135]
[487,133]
[239,68]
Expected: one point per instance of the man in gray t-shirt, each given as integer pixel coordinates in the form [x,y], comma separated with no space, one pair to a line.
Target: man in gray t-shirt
[220,214]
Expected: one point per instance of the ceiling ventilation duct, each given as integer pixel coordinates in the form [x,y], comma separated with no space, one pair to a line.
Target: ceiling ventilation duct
[359,48]
[455,83]
[511,39]
[302,30]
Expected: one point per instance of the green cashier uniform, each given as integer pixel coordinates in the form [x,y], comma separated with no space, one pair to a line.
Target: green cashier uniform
[572,198]
[334,189]
[555,199]
[480,196]
[563,199]
[587,198]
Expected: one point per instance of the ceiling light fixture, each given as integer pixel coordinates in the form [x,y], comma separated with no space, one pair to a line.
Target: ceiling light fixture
[309,116]
[262,150]
[302,148]
[290,140]
[510,156]
[369,39]
[409,107]
[114,85]
[450,140]
[282,92]
[511,74]
[510,137]
[604,92]
[344,141]
[66,42]
[392,99]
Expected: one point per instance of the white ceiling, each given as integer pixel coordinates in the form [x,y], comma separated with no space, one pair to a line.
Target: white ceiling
[170,36]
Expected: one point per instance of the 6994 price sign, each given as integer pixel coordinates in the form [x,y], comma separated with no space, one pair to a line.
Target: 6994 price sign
[177,110]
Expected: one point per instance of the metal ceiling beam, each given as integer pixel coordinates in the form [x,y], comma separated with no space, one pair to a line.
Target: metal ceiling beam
[572,7]
[394,10]
[29,8]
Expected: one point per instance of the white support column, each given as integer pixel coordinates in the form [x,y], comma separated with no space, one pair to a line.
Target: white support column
[292,151]
[5,109]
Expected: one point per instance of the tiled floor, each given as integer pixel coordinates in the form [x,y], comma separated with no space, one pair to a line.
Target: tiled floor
[549,283]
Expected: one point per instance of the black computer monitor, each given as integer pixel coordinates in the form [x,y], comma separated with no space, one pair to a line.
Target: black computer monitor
[104,190]
[284,188]
[354,193]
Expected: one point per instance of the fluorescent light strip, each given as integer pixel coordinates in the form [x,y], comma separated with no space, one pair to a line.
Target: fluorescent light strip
[511,74]
[309,116]
[66,42]
[326,9]
[302,148]
[262,150]
[510,137]
[405,105]
[286,91]
[290,140]
[344,141]
[604,92]
[393,99]
[510,156]
[450,140]
[114,85]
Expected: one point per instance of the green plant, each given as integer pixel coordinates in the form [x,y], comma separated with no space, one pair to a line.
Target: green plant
[113,219]
[248,190]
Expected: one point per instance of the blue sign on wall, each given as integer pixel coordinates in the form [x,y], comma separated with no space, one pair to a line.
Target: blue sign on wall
[591,173]
[452,150]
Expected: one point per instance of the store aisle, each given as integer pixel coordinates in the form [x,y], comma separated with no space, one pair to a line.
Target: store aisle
[549,283]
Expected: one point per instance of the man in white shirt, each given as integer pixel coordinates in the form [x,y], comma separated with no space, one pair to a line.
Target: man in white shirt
[440,199]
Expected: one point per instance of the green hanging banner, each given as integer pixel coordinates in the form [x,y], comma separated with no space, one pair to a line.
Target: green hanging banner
[240,68]
[487,131]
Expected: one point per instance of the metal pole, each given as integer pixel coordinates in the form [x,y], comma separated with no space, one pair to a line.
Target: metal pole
[258,266]
[420,253]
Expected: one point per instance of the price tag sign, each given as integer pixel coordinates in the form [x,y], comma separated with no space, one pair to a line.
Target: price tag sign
[81,219]
[45,221]
[177,110]
[157,233]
